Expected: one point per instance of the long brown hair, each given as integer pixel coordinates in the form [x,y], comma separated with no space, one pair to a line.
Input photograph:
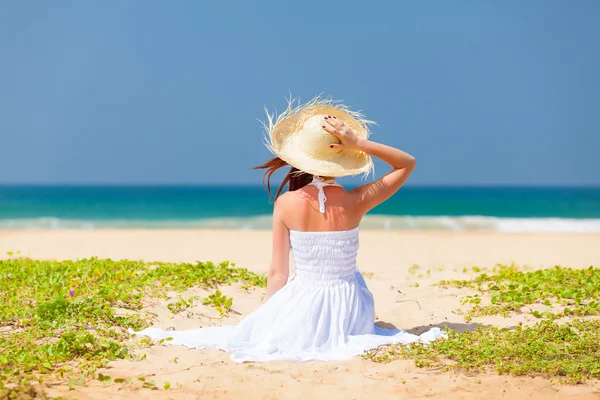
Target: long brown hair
[295,178]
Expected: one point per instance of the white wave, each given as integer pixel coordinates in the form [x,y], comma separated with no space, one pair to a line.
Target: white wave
[383,222]
[481,223]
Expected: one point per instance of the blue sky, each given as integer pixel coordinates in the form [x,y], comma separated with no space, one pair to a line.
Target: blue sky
[482,93]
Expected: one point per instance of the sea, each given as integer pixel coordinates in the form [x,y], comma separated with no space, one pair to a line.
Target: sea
[494,209]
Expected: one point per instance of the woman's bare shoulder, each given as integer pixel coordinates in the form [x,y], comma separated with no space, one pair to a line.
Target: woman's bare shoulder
[284,200]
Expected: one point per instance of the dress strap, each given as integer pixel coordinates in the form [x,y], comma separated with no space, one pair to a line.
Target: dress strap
[320,183]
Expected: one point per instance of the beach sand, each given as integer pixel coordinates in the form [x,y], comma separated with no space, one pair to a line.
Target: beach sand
[385,259]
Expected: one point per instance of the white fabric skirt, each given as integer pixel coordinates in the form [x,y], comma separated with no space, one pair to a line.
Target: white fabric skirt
[301,322]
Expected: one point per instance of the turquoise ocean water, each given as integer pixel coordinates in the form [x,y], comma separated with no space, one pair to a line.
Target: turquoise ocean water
[248,207]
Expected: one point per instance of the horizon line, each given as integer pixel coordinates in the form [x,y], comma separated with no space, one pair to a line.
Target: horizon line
[257,185]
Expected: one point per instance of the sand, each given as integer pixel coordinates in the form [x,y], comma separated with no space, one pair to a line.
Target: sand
[384,259]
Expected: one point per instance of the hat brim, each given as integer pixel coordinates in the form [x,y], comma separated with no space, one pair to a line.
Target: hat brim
[335,163]
[284,139]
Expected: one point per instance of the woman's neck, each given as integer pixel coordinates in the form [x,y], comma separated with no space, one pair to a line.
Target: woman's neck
[325,179]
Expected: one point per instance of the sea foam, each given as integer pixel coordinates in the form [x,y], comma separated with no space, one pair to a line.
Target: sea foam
[370,222]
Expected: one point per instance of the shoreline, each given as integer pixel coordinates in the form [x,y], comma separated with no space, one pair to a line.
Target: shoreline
[376,222]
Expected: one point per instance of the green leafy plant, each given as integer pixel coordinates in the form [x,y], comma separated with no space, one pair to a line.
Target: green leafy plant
[413,269]
[220,302]
[59,319]
[182,304]
[568,351]
[24,391]
[510,289]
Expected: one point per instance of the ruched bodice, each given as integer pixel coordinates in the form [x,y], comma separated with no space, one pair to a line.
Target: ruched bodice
[325,257]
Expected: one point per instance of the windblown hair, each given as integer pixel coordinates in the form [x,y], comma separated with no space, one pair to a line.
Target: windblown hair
[295,179]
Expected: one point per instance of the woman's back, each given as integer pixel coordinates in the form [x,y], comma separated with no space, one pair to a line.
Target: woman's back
[301,209]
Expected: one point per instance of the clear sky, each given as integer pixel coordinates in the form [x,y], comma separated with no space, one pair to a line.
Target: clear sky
[481,92]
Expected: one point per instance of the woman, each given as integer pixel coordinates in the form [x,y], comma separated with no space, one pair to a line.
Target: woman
[325,311]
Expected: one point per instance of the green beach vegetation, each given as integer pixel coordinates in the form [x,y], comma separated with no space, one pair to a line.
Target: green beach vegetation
[575,291]
[568,350]
[58,319]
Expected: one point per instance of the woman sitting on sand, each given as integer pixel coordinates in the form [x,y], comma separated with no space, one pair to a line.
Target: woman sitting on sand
[325,310]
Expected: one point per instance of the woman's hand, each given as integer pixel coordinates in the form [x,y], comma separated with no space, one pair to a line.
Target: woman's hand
[348,140]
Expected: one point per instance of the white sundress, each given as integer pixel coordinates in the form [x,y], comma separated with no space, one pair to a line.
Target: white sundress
[324,312]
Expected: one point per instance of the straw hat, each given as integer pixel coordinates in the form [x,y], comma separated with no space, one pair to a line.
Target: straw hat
[297,137]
